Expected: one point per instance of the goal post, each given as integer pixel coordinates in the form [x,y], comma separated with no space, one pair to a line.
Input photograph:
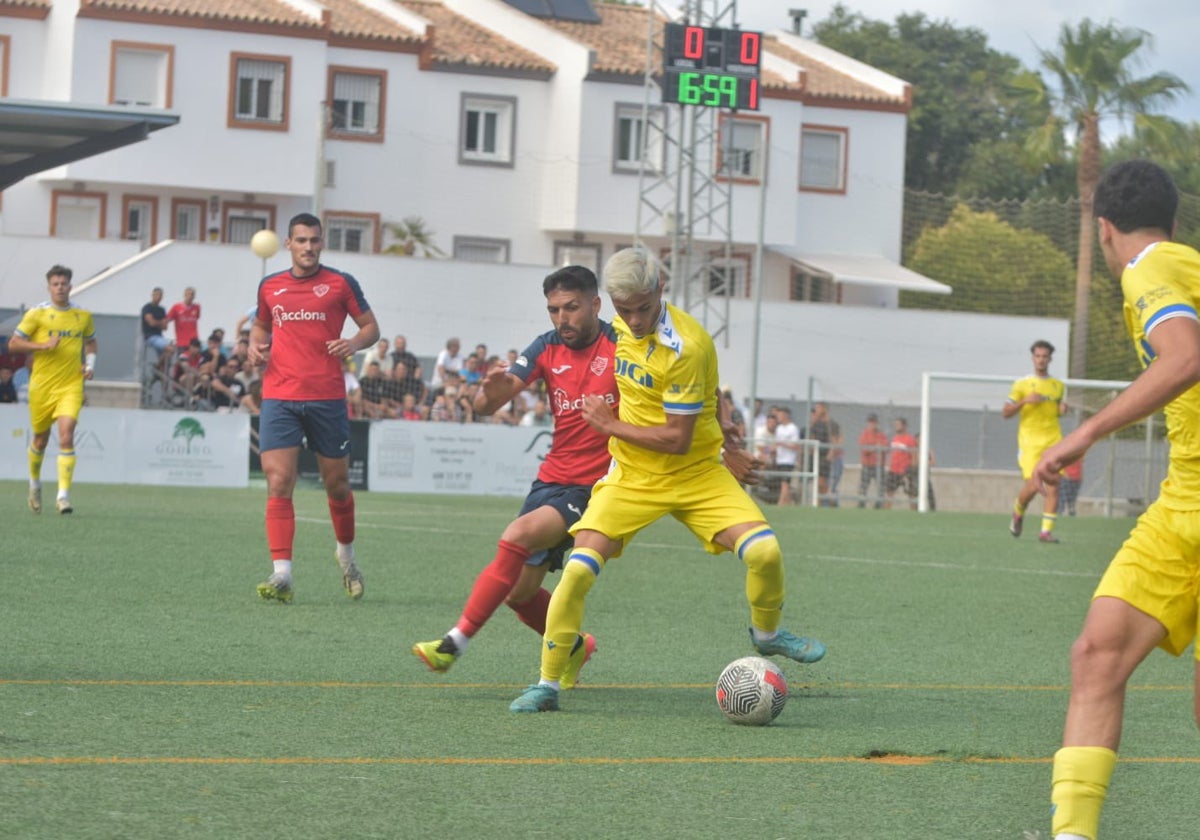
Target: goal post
[1085,395]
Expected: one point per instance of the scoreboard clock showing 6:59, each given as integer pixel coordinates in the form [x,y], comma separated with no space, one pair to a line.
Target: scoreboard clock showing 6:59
[716,68]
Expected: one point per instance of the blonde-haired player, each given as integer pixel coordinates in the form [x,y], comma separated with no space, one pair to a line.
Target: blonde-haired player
[666,449]
[1038,398]
[62,339]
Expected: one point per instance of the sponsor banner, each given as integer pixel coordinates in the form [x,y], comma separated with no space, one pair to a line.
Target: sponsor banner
[481,459]
[130,446]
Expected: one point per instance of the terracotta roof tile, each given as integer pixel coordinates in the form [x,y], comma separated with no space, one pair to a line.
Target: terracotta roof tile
[353,20]
[25,4]
[823,81]
[458,41]
[270,12]
[619,39]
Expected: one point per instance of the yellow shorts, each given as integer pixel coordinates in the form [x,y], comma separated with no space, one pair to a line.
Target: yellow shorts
[705,497]
[1028,458]
[47,406]
[1157,570]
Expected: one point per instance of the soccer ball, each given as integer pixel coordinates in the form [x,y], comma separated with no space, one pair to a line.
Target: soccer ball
[751,691]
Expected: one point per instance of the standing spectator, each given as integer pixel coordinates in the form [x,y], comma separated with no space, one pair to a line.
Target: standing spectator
[736,416]
[787,452]
[871,445]
[837,462]
[448,360]
[301,314]
[60,336]
[823,429]
[186,316]
[539,415]
[1068,493]
[1038,399]
[8,391]
[902,463]
[154,321]
[401,353]
[380,355]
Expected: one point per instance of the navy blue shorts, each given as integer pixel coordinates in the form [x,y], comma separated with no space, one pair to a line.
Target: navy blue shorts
[570,500]
[321,425]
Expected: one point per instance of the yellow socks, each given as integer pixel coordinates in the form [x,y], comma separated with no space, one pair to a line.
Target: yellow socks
[35,464]
[66,471]
[565,616]
[1048,520]
[759,550]
[1080,782]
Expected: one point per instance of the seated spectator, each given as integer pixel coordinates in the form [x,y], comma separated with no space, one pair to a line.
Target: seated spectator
[401,383]
[379,354]
[374,393]
[186,370]
[251,402]
[354,405]
[400,353]
[8,391]
[213,357]
[21,378]
[472,370]
[539,415]
[225,391]
[438,412]
[409,409]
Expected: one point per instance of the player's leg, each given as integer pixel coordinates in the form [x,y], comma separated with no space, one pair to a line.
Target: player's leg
[68,412]
[280,435]
[327,430]
[1027,461]
[1049,514]
[41,419]
[1116,637]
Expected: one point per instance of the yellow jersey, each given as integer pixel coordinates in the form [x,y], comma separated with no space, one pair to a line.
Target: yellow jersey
[672,370]
[61,367]
[1039,428]
[1160,283]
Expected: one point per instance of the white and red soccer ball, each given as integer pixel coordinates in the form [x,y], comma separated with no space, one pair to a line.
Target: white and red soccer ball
[751,691]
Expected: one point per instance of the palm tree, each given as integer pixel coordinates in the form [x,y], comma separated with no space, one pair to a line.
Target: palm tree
[1093,70]
[411,235]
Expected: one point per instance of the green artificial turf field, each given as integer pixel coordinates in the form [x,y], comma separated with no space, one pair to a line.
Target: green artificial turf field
[145,692]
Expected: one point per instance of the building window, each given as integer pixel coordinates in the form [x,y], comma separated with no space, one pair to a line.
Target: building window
[139,219]
[823,158]
[812,288]
[78,215]
[5,49]
[187,220]
[141,74]
[586,254]
[742,144]
[479,249]
[636,140]
[488,130]
[242,221]
[729,278]
[356,100]
[357,233]
[258,96]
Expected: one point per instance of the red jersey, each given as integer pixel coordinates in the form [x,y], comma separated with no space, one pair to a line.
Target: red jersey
[187,321]
[904,453]
[578,454]
[871,446]
[302,314]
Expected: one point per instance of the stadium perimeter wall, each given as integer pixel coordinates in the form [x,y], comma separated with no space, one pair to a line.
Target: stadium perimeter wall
[851,354]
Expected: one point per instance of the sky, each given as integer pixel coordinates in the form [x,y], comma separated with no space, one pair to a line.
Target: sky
[1020,27]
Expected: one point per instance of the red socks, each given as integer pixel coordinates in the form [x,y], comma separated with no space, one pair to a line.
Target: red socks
[492,587]
[281,527]
[533,612]
[342,514]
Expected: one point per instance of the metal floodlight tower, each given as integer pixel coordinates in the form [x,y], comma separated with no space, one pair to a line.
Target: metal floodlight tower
[680,197]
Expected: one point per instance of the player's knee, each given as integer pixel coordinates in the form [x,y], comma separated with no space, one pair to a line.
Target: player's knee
[759,550]
[578,575]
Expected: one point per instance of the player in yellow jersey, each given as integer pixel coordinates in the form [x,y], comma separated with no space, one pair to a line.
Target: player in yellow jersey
[62,339]
[1150,593]
[666,450]
[1039,400]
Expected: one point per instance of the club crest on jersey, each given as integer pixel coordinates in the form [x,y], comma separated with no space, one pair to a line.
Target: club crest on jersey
[321,289]
[599,365]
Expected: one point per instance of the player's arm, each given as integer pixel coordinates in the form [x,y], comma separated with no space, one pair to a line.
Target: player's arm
[673,437]
[260,342]
[89,357]
[367,336]
[1015,403]
[497,389]
[1176,368]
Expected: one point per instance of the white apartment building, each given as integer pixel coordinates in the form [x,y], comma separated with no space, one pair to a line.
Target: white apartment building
[513,138]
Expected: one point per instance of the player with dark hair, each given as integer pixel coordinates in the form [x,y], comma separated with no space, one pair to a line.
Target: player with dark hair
[62,339]
[573,359]
[1150,594]
[666,460]
[297,335]
[1038,398]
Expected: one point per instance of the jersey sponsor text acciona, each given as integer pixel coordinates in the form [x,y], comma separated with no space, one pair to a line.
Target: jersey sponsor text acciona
[580,453]
[303,314]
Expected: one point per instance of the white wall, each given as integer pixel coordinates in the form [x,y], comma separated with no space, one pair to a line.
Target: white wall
[24,261]
[25,61]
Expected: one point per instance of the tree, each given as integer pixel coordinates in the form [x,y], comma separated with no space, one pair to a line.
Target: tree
[411,235]
[964,95]
[1093,76]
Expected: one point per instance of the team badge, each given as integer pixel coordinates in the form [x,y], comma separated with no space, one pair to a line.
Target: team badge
[321,290]
[599,365]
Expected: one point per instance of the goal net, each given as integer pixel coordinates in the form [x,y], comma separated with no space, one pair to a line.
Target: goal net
[967,456]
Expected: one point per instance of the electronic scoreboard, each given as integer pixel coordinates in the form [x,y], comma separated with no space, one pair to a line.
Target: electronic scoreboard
[717,68]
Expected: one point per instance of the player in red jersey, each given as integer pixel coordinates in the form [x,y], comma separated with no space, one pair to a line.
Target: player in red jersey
[186,317]
[297,334]
[574,358]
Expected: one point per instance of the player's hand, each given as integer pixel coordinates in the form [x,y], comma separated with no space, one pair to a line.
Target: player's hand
[598,413]
[743,465]
[87,372]
[339,347]
[1048,471]
[51,342]
[495,385]
[257,353]
[733,436]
